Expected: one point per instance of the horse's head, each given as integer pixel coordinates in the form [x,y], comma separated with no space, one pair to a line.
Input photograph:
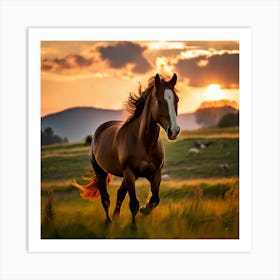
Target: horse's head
[164,106]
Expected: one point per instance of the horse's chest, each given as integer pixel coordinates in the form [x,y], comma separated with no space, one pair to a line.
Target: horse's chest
[147,166]
[141,160]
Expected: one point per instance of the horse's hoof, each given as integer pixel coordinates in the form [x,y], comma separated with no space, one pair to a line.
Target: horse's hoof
[145,210]
[116,214]
[133,226]
[107,224]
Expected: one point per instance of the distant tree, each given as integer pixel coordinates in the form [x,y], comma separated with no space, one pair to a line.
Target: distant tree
[48,132]
[229,120]
[57,139]
[88,140]
[207,117]
[48,137]
[210,116]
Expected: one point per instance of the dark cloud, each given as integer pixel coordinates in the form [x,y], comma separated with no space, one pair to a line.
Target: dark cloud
[46,66]
[62,63]
[221,69]
[124,53]
[82,61]
[68,62]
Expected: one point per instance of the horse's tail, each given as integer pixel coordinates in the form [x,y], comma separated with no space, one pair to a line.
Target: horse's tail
[90,191]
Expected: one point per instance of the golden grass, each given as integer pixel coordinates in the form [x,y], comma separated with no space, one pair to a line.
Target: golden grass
[115,184]
[175,219]
[199,181]
[55,185]
[64,153]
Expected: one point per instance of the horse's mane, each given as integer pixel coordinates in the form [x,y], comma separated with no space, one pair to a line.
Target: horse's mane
[136,102]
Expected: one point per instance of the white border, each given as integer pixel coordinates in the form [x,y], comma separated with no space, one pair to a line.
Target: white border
[262,16]
[243,35]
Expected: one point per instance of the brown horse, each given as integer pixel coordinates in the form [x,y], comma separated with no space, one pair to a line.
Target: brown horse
[133,149]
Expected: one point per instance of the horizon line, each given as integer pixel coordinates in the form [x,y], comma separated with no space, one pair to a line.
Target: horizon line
[108,109]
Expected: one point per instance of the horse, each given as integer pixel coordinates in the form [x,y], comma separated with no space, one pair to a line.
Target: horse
[133,149]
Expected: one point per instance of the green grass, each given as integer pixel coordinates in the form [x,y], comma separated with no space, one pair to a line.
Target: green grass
[198,201]
[181,165]
[227,132]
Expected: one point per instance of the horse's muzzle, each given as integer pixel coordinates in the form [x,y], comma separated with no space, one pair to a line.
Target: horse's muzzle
[172,133]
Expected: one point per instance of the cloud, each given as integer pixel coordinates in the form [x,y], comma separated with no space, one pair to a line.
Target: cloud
[124,53]
[213,45]
[220,69]
[62,63]
[82,61]
[198,62]
[68,62]
[46,66]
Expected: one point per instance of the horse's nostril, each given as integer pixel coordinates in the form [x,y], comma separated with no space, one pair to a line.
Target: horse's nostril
[169,132]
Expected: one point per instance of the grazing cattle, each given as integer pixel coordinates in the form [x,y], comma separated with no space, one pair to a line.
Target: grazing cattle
[224,166]
[165,177]
[200,145]
[193,151]
[209,143]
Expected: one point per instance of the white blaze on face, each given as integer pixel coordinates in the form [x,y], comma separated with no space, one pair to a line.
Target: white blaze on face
[169,97]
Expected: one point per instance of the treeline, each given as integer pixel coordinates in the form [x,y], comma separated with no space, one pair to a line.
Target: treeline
[229,120]
[217,117]
[48,137]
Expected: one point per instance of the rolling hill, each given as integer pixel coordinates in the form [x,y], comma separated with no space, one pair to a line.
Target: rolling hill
[78,122]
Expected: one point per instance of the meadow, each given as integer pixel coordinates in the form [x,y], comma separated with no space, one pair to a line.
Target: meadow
[199,192]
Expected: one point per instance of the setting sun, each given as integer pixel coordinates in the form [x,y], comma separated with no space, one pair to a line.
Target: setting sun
[214,92]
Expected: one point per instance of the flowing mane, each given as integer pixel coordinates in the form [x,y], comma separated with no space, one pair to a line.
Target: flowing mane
[136,102]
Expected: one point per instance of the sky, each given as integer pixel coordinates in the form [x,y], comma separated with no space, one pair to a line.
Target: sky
[102,74]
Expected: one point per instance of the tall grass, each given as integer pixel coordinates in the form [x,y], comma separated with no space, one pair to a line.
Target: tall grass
[185,211]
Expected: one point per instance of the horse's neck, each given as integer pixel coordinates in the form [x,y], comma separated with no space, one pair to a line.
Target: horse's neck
[148,128]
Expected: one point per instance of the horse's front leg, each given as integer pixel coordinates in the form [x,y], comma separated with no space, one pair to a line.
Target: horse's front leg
[129,182]
[154,180]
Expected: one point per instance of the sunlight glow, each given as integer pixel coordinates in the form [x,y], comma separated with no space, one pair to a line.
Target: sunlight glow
[214,92]
[163,66]
[161,45]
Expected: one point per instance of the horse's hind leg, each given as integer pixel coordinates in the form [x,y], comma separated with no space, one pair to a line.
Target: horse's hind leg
[101,182]
[105,198]
[120,197]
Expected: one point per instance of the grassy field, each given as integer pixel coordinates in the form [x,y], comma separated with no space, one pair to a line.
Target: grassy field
[199,199]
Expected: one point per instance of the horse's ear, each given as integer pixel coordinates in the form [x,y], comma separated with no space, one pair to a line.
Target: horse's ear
[157,81]
[173,80]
